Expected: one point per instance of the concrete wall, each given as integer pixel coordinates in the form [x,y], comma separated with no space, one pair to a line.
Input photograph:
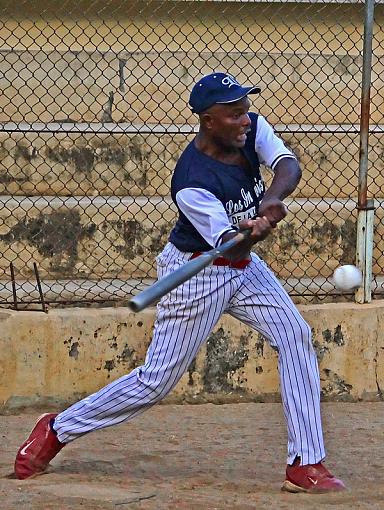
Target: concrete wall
[56,358]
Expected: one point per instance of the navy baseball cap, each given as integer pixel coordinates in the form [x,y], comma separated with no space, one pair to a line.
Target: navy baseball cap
[217,88]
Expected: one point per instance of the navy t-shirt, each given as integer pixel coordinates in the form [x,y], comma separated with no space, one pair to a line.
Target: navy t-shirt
[239,190]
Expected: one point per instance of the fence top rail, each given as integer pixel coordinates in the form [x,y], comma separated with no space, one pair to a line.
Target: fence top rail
[122,128]
[289,1]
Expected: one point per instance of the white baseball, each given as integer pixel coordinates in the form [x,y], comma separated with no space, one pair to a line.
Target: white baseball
[347,277]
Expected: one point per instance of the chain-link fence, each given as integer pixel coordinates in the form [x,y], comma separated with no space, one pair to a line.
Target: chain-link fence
[94,115]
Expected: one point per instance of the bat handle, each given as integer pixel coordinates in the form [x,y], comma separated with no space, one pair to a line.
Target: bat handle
[183,273]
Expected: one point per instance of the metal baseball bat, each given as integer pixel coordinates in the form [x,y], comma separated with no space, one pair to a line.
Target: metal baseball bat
[184,273]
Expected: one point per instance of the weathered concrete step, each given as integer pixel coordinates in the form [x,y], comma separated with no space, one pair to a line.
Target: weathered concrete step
[88,164]
[154,86]
[114,162]
[119,237]
[83,237]
[108,160]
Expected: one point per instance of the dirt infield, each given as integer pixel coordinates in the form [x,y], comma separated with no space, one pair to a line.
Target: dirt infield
[201,457]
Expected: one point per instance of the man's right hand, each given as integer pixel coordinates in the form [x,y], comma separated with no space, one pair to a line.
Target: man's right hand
[261,228]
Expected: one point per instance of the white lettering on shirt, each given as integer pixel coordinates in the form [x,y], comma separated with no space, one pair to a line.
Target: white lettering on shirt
[249,214]
[258,187]
[235,207]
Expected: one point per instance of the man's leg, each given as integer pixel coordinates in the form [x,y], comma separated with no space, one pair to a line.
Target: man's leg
[185,318]
[181,327]
[262,303]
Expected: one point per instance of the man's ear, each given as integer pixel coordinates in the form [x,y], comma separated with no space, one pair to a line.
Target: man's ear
[206,120]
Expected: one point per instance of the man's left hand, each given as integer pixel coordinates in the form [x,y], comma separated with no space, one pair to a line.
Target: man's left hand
[273,209]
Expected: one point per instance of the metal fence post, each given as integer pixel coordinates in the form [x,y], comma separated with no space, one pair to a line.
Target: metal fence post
[364,248]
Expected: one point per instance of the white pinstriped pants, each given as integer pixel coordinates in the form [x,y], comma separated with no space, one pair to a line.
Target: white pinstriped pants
[185,318]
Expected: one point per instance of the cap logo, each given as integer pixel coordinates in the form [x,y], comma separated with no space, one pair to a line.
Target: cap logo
[229,81]
[217,88]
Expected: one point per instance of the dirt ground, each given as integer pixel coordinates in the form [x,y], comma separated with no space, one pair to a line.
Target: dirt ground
[198,457]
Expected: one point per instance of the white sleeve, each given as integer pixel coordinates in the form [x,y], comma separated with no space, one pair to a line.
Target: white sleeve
[268,145]
[205,212]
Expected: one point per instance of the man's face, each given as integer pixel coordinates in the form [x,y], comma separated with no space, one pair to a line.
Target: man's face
[229,123]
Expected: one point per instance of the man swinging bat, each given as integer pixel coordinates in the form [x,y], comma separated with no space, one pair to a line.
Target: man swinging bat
[218,190]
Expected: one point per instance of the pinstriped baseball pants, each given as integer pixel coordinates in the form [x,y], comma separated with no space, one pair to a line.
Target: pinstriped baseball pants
[185,318]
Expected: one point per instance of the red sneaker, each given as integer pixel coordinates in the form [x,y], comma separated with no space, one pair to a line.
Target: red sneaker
[310,478]
[38,450]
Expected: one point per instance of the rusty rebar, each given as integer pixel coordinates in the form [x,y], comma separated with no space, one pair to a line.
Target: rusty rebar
[43,305]
[13,286]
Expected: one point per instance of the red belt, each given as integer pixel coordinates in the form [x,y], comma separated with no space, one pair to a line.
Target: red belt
[222,261]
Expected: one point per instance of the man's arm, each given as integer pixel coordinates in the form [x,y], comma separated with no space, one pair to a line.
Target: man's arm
[287,175]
